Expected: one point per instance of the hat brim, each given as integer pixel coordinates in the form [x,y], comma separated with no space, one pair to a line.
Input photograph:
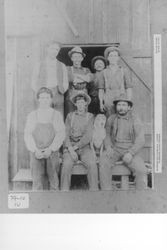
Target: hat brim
[123,100]
[84,95]
[73,52]
[110,49]
[98,58]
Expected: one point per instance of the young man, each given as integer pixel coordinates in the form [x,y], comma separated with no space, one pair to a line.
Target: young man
[78,76]
[98,64]
[44,134]
[52,74]
[79,128]
[124,140]
[114,81]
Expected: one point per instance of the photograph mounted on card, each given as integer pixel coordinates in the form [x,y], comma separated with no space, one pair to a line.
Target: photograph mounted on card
[83,105]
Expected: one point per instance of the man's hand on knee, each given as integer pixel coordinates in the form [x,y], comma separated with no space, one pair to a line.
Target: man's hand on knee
[127,158]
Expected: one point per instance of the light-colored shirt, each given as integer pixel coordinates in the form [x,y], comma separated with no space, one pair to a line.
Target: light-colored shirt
[52,81]
[35,117]
[51,76]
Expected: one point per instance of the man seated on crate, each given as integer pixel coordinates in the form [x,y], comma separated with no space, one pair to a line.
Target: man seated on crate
[124,140]
[79,128]
[44,134]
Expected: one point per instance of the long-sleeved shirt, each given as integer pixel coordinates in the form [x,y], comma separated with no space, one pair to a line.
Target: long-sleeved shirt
[34,118]
[79,129]
[51,74]
[125,132]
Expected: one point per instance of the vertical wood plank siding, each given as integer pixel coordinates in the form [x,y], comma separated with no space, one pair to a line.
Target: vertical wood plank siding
[97,21]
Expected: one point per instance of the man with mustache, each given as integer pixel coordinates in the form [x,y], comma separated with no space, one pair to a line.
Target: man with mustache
[124,140]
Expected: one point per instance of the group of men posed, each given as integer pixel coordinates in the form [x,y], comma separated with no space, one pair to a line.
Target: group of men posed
[97,108]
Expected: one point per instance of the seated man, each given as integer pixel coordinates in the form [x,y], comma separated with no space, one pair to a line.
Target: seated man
[79,128]
[44,134]
[124,140]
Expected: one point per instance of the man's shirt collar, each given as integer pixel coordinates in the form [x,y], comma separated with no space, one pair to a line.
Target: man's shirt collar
[124,117]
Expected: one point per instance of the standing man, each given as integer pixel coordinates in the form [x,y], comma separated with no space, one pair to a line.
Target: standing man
[78,76]
[79,128]
[44,134]
[114,81]
[98,64]
[52,74]
[124,140]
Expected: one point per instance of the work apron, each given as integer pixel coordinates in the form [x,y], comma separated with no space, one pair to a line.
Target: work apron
[43,133]
[45,170]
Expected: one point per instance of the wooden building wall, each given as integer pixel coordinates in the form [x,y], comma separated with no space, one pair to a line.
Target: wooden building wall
[30,24]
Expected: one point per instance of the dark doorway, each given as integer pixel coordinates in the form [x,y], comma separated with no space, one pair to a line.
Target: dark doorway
[91,50]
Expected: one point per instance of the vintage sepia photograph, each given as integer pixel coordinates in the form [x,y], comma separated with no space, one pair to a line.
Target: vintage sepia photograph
[83,105]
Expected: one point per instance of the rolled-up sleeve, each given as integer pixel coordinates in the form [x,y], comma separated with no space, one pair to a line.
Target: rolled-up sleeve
[127,79]
[101,81]
[29,127]
[59,131]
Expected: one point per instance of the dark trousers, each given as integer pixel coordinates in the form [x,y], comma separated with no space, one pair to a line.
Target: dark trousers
[94,106]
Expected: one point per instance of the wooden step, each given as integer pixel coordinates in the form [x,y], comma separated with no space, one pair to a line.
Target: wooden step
[22,180]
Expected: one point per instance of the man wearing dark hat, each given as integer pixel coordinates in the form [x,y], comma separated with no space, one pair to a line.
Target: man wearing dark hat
[98,64]
[114,80]
[124,140]
[79,128]
[78,76]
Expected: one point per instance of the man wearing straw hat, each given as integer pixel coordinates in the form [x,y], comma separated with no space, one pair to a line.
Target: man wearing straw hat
[78,76]
[124,141]
[113,81]
[79,128]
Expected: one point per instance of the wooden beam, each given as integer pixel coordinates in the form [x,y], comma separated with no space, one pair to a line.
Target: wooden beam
[138,72]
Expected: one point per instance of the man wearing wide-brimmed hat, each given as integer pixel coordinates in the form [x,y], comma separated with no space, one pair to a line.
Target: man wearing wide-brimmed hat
[114,80]
[78,76]
[79,128]
[98,64]
[124,140]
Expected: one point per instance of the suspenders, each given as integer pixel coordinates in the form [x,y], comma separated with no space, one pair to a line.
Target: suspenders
[73,117]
